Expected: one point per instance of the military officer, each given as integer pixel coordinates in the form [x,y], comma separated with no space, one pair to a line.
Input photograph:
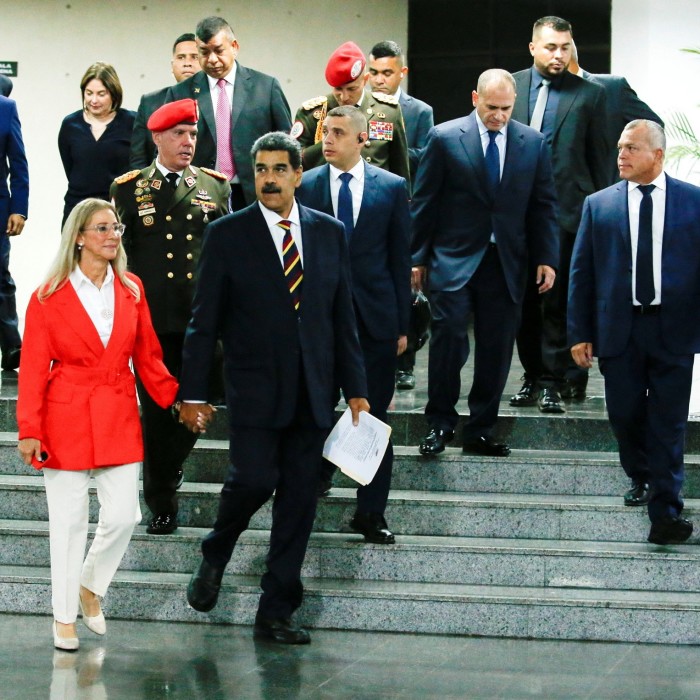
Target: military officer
[165,208]
[386,147]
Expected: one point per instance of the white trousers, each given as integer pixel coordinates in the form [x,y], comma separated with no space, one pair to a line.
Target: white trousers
[67,494]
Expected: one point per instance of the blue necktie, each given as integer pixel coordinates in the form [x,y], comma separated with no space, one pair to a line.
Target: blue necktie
[644,281]
[493,162]
[345,205]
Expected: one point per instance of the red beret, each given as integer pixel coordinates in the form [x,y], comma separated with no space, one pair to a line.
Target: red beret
[346,63]
[173,113]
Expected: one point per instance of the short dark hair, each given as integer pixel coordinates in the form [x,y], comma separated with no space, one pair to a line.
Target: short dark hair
[183,37]
[278,141]
[105,73]
[387,49]
[355,115]
[210,26]
[556,23]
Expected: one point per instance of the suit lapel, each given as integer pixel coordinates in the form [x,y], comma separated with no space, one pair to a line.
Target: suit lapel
[369,196]
[514,149]
[187,183]
[471,143]
[567,96]
[124,321]
[72,311]
[621,214]
[201,93]
[241,92]
[322,189]
[311,255]
[521,109]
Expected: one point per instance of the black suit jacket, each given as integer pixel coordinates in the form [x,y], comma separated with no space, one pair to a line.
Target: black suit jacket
[621,106]
[379,247]
[579,142]
[5,86]
[455,213]
[242,297]
[259,106]
[143,150]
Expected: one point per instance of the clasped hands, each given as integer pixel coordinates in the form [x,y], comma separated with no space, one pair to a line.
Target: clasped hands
[196,416]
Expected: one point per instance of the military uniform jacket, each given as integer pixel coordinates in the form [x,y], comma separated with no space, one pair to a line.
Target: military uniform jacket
[387,146]
[163,235]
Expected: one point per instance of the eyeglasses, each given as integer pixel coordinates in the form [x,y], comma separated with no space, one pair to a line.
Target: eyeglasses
[104,230]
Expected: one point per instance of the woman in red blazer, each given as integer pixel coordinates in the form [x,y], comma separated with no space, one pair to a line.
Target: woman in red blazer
[77,411]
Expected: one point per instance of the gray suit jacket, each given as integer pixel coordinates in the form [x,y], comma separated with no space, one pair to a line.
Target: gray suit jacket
[259,106]
[418,120]
[579,142]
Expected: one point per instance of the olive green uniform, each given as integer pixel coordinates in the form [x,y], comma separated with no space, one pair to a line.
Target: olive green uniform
[163,240]
[387,146]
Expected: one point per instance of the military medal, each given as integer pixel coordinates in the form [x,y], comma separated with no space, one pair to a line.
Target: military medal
[156,184]
[142,183]
[189,181]
[381,131]
[148,220]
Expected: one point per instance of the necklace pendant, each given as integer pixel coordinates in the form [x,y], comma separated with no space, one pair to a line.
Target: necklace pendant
[107,314]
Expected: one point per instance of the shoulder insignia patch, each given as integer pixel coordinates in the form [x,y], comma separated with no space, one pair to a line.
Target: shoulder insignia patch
[314,102]
[214,173]
[385,99]
[127,176]
[297,130]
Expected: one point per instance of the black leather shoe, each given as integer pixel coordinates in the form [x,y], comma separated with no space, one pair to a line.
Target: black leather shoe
[373,527]
[528,394]
[574,391]
[203,589]
[485,445]
[434,442]
[405,381]
[670,530]
[163,524]
[324,487]
[550,402]
[10,358]
[638,495]
[180,478]
[279,630]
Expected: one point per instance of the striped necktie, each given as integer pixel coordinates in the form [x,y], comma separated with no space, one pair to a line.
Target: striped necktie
[291,261]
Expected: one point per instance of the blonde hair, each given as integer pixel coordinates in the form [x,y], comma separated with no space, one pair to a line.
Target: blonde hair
[68,254]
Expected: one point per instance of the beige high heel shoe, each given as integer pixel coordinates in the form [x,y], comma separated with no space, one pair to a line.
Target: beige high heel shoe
[64,643]
[96,623]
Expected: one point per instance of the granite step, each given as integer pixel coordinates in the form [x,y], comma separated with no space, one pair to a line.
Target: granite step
[422,559]
[525,471]
[497,611]
[528,516]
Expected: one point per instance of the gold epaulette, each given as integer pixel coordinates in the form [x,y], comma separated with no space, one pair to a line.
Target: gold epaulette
[314,102]
[386,99]
[214,173]
[127,176]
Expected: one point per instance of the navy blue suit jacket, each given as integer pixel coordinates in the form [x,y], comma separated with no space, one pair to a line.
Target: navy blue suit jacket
[579,142]
[242,297]
[259,106]
[14,198]
[380,261]
[454,211]
[600,287]
[418,120]
[5,86]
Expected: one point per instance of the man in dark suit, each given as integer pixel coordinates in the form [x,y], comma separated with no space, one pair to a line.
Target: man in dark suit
[373,206]
[622,105]
[570,113]
[387,69]
[5,86]
[236,106]
[14,201]
[484,203]
[274,284]
[166,207]
[633,302]
[184,63]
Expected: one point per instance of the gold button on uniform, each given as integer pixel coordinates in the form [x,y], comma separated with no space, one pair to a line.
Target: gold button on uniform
[169,236]
[169,256]
[189,275]
[168,218]
[189,256]
[189,217]
[189,236]
[170,275]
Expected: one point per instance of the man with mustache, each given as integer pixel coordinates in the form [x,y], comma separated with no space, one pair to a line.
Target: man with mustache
[165,208]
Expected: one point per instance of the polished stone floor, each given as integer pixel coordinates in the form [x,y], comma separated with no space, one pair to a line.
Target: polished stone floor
[154,660]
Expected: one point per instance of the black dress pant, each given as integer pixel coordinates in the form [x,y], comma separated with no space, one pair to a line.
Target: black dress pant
[284,461]
[486,299]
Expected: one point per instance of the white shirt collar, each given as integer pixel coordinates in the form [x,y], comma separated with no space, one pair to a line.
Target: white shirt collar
[483,129]
[357,171]
[659,182]
[230,78]
[165,172]
[273,218]
[78,277]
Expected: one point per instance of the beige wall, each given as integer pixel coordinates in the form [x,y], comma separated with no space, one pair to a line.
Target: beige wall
[55,41]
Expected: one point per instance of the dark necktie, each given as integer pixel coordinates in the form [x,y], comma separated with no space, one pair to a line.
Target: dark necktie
[291,261]
[493,162]
[172,180]
[645,258]
[345,205]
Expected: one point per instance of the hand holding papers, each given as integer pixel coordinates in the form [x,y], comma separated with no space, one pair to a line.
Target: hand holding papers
[357,450]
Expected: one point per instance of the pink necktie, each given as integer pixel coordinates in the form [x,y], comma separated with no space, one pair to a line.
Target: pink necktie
[224,156]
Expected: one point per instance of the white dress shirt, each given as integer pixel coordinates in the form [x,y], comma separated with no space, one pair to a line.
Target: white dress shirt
[634,201]
[99,303]
[165,172]
[277,233]
[356,185]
